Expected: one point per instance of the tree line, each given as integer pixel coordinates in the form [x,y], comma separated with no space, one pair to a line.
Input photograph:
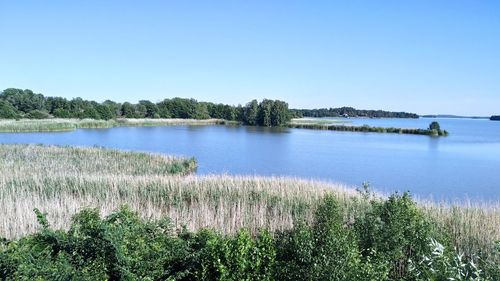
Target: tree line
[351,112]
[495,118]
[18,103]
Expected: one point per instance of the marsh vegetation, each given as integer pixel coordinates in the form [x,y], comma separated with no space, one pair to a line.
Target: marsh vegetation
[434,128]
[62,181]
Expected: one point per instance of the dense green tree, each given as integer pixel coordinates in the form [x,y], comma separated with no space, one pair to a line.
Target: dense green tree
[76,107]
[279,113]
[128,110]
[163,109]
[200,110]
[89,112]
[252,113]
[393,233]
[265,113]
[23,100]
[229,113]
[181,108]
[37,114]
[150,109]
[62,113]
[215,110]
[54,103]
[114,107]
[7,111]
[435,126]
[104,112]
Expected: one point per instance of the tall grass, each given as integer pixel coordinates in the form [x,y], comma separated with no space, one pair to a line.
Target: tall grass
[56,124]
[63,180]
[335,126]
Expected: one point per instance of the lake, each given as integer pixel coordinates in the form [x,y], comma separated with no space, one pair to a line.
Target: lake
[465,164]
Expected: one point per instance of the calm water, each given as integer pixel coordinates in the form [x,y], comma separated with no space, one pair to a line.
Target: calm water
[465,164]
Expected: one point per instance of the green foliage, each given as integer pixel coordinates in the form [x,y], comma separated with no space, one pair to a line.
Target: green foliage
[37,114]
[16,102]
[7,111]
[128,110]
[264,115]
[435,126]
[105,112]
[251,113]
[325,251]
[394,232]
[391,242]
[490,262]
[444,265]
[435,130]
[241,257]
[350,112]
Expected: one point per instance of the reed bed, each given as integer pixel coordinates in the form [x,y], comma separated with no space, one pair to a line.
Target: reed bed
[333,125]
[317,121]
[62,180]
[59,124]
[167,122]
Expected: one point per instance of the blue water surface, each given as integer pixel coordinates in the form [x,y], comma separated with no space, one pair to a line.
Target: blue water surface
[465,164]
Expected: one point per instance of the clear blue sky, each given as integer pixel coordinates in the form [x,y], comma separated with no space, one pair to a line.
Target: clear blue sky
[419,56]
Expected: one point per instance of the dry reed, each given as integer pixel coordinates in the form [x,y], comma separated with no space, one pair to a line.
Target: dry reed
[62,180]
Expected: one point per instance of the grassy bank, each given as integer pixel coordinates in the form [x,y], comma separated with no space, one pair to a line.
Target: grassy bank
[59,124]
[333,126]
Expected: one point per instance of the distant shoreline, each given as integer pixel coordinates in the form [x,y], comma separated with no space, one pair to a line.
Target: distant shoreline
[61,125]
[453,116]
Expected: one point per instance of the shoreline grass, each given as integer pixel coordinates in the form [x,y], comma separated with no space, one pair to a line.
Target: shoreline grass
[317,121]
[60,124]
[331,125]
[63,180]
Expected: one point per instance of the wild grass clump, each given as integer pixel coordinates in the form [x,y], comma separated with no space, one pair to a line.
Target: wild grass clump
[25,161]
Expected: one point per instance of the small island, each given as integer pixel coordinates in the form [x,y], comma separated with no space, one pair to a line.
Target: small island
[495,118]
[434,128]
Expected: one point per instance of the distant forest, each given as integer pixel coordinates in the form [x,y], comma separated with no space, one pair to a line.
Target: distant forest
[351,112]
[18,103]
[495,118]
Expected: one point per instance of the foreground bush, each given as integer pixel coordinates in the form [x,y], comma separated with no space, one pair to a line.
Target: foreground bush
[393,241]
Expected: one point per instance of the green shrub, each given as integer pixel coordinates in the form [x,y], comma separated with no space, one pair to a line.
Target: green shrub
[37,114]
[394,232]
[7,111]
[444,265]
[241,257]
[391,241]
[325,251]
